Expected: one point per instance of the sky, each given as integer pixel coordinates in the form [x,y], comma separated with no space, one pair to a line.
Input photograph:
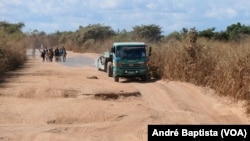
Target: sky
[51,16]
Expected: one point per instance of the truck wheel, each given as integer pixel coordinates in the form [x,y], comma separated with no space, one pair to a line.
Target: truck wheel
[116,78]
[144,78]
[97,65]
[109,69]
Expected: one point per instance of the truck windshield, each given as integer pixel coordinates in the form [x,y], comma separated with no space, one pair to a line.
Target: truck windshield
[131,51]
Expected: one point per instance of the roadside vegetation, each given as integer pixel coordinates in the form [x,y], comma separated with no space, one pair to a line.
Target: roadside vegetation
[216,59]
[12,47]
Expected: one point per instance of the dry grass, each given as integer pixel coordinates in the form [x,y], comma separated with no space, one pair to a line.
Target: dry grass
[15,56]
[224,67]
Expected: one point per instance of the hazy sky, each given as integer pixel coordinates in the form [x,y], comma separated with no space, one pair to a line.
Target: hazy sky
[170,15]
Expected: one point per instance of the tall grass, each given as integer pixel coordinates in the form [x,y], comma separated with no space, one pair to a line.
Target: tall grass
[224,67]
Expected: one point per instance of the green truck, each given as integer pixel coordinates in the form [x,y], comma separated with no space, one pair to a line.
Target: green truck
[125,59]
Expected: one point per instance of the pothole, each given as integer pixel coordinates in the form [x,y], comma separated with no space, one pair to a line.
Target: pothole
[92,117]
[106,96]
[63,121]
[69,93]
[54,130]
[92,77]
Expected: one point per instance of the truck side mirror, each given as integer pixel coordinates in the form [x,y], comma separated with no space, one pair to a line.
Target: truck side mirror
[112,50]
[150,51]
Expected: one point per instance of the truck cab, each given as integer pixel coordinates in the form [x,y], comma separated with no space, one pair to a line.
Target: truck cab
[125,59]
[129,59]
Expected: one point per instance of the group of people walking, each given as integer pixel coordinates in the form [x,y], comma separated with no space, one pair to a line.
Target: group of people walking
[58,53]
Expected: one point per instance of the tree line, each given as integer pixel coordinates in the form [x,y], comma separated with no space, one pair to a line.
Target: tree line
[94,35]
[151,33]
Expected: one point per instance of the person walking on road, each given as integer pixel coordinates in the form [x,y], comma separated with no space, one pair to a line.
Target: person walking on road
[43,53]
[64,54]
[33,52]
[57,54]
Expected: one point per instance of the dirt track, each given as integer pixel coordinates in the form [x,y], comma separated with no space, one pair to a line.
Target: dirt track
[52,101]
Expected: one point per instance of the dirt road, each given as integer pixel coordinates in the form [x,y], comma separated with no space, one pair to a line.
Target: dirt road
[73,101]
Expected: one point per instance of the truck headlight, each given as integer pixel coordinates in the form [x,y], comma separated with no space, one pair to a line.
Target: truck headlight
[143,64]
[116,64]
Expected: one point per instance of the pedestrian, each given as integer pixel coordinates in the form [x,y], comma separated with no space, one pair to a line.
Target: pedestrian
[33,52]
[64,53]
[56,54]
[43,53]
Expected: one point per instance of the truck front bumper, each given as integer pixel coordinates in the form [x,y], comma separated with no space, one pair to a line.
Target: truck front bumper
[124,72]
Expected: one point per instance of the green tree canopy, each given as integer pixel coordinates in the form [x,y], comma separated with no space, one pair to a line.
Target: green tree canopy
[96,32]
[11,28]
[150,33]
[235,31]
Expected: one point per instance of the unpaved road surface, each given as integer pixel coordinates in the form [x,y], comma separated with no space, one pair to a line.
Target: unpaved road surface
[74,101]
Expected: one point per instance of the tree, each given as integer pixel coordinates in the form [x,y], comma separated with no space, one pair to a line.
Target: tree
[174,35]
[235,31]
[123,35]
[96,32]
[208,33]
[223,36]
[150,33]
[10,28]
[184,31]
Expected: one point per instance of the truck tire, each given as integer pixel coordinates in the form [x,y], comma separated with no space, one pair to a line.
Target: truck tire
[116,78]
[97,65]
[144,78]
[109,69]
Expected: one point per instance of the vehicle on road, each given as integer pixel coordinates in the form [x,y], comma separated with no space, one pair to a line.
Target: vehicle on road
[125,59]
